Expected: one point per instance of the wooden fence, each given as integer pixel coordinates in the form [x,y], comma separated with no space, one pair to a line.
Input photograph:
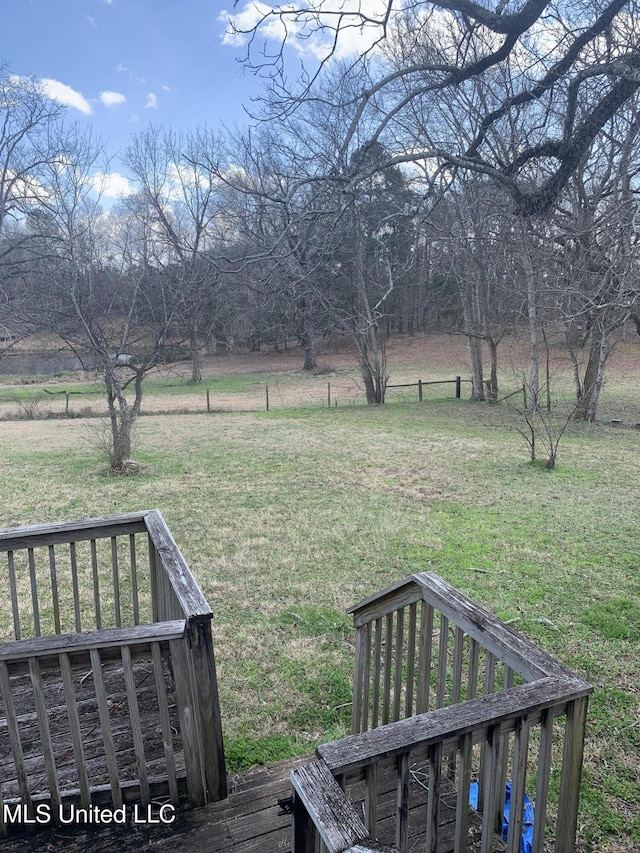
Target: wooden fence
[109,640]
[445,691]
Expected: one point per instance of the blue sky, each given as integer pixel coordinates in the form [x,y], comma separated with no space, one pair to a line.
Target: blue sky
[121,64]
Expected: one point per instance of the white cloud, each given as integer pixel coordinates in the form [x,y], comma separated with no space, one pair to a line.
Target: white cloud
[64,94]
[312,32]
[152,102]
[92,21]
[112,99]
[166,88]
[111,184]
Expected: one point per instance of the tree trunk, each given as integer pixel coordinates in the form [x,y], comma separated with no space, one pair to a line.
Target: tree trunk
[196,359]
[309,344]
[534,331]
[122,417]
[474,346]
[594,375]
[493,382]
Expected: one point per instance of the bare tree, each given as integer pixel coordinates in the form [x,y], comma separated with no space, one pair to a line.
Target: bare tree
[570,68]
[184,206]
[95,285]
[28,147]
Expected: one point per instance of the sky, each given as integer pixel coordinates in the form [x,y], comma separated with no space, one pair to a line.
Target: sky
[122,64]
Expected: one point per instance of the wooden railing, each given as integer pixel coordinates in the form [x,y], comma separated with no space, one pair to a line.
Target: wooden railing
[107,631]
[445,695]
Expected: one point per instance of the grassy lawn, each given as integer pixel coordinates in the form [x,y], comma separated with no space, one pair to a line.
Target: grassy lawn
[288,517]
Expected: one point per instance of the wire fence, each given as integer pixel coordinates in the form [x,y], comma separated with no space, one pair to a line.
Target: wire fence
[307,392]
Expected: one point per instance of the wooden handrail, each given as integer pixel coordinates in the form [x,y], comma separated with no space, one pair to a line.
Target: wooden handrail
[446,725]
[326,806]
[508,645]
[189,595]
[38,535]
[72,644]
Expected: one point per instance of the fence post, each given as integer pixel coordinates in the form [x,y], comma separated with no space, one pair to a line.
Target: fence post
[329,394]
[267,395]
[458,387]
[207,704]
[208,402]
[419,390]
[66,402]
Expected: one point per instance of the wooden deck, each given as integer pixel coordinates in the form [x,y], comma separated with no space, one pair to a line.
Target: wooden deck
[247,822]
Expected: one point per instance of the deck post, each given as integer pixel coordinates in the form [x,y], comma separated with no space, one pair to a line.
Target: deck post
[208,706]
[567,821]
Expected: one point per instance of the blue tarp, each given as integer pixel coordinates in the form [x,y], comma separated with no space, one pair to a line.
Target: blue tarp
[527,822]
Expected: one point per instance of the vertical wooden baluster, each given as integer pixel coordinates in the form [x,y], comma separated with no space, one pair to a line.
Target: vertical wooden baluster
[105,727]
[74,728]
[542,781]
[489,687]
[116,581]
[443,659]
[488,788]
[397,685]
[134,580]
[377,674]
[45,734]
[75,587]
[424,657]
[388,660]
[366,677]
[13,591]
[474,662]
[358,676]
[14,737]
[34,592]
[96,584]
[402,802]
[518,783]
[165,722]
[136,728]
[54,590]
[153,579]
[411,660]
[371,799]
[462,800]
[433,802]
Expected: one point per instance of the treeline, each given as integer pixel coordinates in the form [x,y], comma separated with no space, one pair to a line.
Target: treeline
[323,222]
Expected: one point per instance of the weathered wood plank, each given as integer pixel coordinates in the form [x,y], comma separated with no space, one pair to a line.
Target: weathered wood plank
[96,584]
[135,603]
[187,591]
[13,595]
[34,592]
[518,782]
[74,729]
[377,673]
[393,598]
[105,722]
[207,700]
[116,582]
[136,729]
[424,657]
[103,639]
[333,815]
[521,655]
[45,734]
[542,780]
[165,722]
[445,725]
[402,802]
[75,587]
[14,736]
[567,820]
[77,530]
